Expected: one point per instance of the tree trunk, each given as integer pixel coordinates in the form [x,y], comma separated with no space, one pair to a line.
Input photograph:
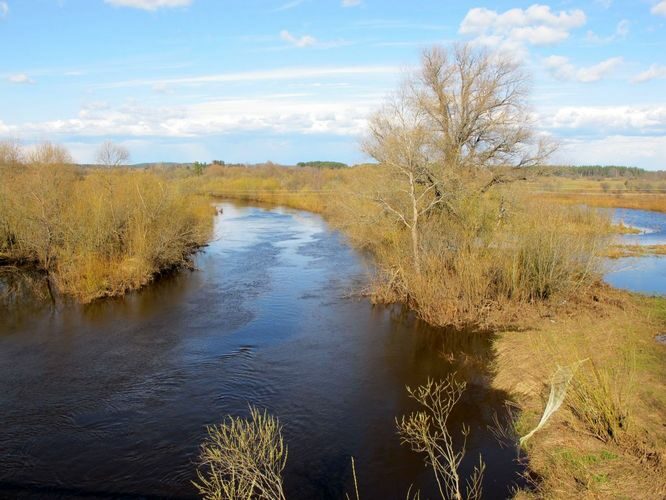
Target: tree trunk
[415,227]
[415,248]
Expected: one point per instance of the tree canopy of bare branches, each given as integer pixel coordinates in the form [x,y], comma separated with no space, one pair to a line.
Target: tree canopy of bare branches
[11,153]
[112,155]
[476,104]
[448,131]
[48,153]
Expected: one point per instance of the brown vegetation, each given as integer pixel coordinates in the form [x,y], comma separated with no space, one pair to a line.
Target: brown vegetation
[639,201]
[243,459]
[619,251]
[426,431]
[94,233]
[608,439]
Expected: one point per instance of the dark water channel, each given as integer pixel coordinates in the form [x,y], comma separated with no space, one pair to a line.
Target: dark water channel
[112,400]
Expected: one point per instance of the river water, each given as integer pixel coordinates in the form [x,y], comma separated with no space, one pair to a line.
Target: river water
[646,274]
[111,400]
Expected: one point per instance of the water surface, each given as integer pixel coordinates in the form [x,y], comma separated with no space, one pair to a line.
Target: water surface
[645,274]
[112,400]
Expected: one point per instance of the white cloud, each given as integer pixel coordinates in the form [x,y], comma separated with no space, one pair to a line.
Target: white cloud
[603,120]
[536,25]
[653,72]
[598,71]
[285,113]
[604,3]
[351,3]
[562,69]
[645,151]
[288,5]
[621,32]
[20,78]
[4,9]
[659,9]
[267,75]
[149,4]
[303,41]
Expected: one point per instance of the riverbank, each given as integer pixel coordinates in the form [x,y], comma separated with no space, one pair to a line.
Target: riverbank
[607,439]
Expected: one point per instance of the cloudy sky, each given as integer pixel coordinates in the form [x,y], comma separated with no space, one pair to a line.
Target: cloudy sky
[293,80]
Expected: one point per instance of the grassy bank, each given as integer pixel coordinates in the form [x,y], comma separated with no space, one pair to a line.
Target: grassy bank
[607,440]
[96,232]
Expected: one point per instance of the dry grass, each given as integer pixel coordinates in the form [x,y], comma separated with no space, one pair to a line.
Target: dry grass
[488,271]
[637,193]
[639,201]
[608,439]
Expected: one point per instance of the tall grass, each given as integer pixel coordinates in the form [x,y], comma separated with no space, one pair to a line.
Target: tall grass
[96,233]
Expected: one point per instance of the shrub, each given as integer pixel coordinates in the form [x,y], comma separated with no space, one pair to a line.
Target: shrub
[243,458]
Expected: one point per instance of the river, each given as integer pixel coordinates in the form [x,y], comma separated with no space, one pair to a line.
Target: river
[111,400]
[645,274]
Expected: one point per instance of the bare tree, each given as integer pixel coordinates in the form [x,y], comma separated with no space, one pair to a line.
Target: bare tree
[110,154]
[426,431]
[399,139]
[11,153]
[48,153]
[477,108]
[450,133]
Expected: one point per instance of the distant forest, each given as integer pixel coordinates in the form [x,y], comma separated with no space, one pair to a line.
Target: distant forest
[322,164]
[586,171]
[598,171]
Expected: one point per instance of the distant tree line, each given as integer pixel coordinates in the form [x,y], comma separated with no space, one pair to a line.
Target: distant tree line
[596,171]
[322,164]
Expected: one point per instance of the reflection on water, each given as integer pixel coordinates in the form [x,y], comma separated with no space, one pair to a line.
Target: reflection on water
[640,274]
[111,400]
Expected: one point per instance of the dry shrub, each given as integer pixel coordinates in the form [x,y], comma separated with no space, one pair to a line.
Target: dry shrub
[96,233]
[426,431]
[243,458]
[491,260]
[552,251]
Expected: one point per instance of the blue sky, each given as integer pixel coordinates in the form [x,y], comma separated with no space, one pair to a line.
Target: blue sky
[290,80]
